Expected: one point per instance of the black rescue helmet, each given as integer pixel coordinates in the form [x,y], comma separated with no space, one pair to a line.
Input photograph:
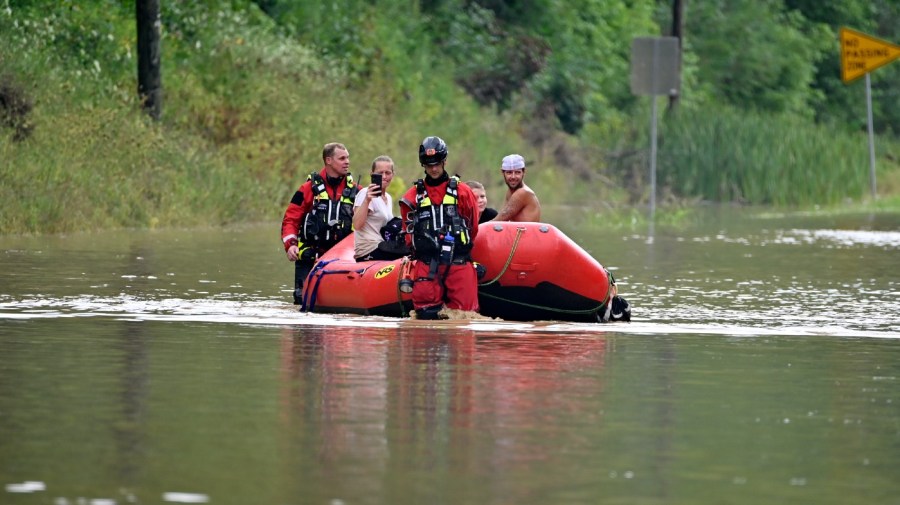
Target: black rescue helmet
[432,151]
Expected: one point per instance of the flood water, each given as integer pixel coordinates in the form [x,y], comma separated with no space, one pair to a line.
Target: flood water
[762,365]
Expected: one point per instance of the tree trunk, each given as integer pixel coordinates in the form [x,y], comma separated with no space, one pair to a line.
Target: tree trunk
[677,28]
[148,33]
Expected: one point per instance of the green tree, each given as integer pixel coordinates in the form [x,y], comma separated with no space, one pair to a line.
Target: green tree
[569,59]
[756,55]
[845,103]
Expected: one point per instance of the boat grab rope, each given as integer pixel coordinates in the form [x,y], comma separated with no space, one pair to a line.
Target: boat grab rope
[503,270]
[549,309]
[306,296]
[512,252]
[318,272]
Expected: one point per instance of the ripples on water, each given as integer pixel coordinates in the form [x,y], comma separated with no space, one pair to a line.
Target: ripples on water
[37,486]
[700,298]
[788,281]
[840,238]
[502,397]
[691,317]
[809,282]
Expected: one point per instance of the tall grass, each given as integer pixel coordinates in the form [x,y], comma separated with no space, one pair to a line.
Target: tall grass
[93,160]
[760,159]
[246,111]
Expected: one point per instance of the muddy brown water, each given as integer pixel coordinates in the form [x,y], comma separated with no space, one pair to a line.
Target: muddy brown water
[762,365]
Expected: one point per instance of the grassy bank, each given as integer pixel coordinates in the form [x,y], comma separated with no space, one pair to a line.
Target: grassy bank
[246,113]
[766,159]
[247,109]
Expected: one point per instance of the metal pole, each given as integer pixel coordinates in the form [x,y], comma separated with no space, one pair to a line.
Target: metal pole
[871,136]
[653,132]
[653,157]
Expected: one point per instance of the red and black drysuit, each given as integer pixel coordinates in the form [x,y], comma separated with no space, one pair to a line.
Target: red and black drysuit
[444,274]
[319,216]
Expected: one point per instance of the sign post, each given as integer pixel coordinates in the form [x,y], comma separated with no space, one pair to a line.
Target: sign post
[654,72]
[860,55]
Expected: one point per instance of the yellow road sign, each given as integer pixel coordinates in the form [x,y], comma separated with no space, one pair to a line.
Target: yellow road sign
[861,53]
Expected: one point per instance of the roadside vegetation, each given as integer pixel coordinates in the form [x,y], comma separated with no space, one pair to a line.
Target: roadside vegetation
[253,89]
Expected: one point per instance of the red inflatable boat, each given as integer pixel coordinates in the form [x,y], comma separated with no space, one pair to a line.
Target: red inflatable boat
[533,272]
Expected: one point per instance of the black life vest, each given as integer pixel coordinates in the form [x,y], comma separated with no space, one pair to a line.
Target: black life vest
[432,221]
[328,221]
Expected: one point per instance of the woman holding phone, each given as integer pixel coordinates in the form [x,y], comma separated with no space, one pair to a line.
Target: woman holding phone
[372,209]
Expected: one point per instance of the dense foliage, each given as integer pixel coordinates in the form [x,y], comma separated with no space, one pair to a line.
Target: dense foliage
[571,57]
[253,88]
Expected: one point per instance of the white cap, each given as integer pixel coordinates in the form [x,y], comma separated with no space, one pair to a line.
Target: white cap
[513,162]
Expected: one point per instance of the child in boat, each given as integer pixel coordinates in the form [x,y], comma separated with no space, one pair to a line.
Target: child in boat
[487,213]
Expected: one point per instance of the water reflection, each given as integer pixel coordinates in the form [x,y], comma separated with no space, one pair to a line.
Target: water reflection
[761,366]
[424,401]
[128,429]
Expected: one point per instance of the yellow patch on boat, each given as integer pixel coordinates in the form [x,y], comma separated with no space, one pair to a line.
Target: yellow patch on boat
[384,271]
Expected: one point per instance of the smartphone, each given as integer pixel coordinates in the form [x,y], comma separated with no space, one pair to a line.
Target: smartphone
[376,179]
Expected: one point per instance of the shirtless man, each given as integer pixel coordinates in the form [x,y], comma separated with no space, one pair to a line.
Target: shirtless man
[521,202]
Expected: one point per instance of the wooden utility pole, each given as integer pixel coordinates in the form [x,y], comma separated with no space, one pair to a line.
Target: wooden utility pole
[677,29]
[148,33]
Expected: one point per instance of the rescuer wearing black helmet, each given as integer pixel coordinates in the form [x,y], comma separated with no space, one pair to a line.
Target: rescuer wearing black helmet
[432,151]
[441,215]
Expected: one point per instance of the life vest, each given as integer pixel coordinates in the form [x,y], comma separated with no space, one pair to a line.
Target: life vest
[431,222]
[328,221]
